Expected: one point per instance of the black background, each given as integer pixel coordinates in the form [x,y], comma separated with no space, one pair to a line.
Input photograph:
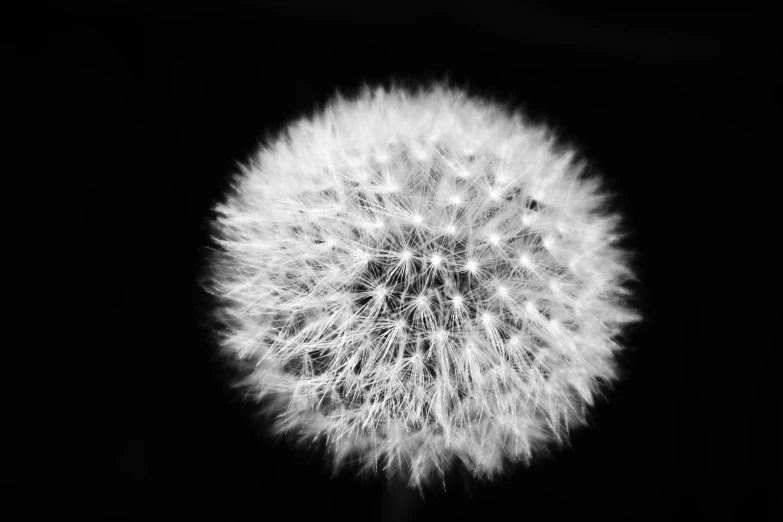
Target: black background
[124,122]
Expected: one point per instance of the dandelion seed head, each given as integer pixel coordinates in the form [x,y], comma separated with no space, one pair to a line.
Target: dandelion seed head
[419,278]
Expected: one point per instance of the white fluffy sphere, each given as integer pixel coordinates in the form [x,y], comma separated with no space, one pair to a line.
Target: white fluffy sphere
[421,277]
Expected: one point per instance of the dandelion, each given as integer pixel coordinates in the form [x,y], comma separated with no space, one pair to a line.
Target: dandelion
[421,278]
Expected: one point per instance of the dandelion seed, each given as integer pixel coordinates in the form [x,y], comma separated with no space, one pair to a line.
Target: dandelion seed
[472,266]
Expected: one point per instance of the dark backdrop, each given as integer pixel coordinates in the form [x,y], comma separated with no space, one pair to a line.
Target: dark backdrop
[125,120]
